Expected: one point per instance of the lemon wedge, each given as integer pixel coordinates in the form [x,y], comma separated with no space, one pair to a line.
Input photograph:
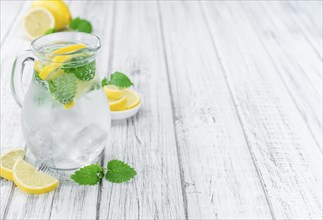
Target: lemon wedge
[7,160]
[117,105]
[30,180]
[133,98]
[37,22]
[112,92]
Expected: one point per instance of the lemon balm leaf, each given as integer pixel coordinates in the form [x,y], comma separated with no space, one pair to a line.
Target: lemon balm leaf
[81,25]
[120,80]
[104,82]
[84,72]
[88,175]
[50,31]
[119,172]
[63,88]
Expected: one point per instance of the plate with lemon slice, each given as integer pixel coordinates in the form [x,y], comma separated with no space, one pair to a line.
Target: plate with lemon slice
[123,102]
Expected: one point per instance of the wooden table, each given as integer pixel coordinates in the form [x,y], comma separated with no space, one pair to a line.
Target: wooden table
[231,124]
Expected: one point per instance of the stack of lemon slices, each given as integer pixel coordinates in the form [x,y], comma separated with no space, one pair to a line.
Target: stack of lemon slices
[24,175]
[121,99]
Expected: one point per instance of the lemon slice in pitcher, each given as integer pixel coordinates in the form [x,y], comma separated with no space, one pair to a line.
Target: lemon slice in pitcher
[7,160]
[30,180]
[59,60]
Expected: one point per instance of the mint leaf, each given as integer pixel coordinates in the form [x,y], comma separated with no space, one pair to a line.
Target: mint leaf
[88,175]
[63,88]
[104,82]
[80,25]
[120,80]
[50,31]
[84,72]
[119,172]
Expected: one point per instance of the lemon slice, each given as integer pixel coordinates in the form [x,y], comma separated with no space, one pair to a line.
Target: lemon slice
[117,105]
[59,60]
[69,49]
[133,98]
[112,92]
[37,22]
[30,180]
[7,160]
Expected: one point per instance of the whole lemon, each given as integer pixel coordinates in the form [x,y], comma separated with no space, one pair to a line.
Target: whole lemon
[59,10]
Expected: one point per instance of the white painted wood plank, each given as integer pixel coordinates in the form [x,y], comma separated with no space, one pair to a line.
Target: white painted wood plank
[9,12]
[280,46]
[289,160]
[292,35]
[308,15]
[221,181]
[69,201]
[11,134]
[146,141]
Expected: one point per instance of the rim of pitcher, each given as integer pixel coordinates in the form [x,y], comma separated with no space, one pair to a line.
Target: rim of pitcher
[95,48]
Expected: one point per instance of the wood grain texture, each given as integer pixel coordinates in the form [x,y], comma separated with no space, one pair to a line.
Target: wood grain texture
[12,42]
[9,12]
[221,181]
[294,59]
[231,122]
[308,16]
[146,141]
[283,148]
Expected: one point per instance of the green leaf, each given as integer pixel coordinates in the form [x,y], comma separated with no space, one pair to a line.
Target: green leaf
[63,88]
[84,72]
[104,82]
[50,31]
[81,25]
[120,80]
[119,172]
[88,175]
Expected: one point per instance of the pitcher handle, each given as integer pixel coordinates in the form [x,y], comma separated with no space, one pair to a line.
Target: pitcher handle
[17,73]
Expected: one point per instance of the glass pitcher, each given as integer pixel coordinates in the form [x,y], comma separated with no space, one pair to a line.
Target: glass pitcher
[65,113]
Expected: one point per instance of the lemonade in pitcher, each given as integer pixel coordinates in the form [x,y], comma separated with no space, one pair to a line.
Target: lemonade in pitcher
[65,113]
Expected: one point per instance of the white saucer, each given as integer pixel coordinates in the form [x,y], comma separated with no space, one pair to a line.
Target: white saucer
[119,115]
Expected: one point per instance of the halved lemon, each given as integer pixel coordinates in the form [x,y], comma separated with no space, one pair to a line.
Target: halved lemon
[7,160]
[117,105]
[112,92]
[37,22]
[133,98]
[59,10]
[30,180]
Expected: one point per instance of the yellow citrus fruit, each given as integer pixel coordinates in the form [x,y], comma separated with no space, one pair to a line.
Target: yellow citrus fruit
[30,180]
[37,21]
[133,98]
[117,105]
[59,10]
[69,49]
[59,60]
[112,92]
[69,105]
[7,160]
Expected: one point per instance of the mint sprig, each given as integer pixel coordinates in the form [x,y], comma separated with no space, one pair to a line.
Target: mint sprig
[118,79]
[84,72]
[63,88]
[89,175]
[81,25]
[117,172]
